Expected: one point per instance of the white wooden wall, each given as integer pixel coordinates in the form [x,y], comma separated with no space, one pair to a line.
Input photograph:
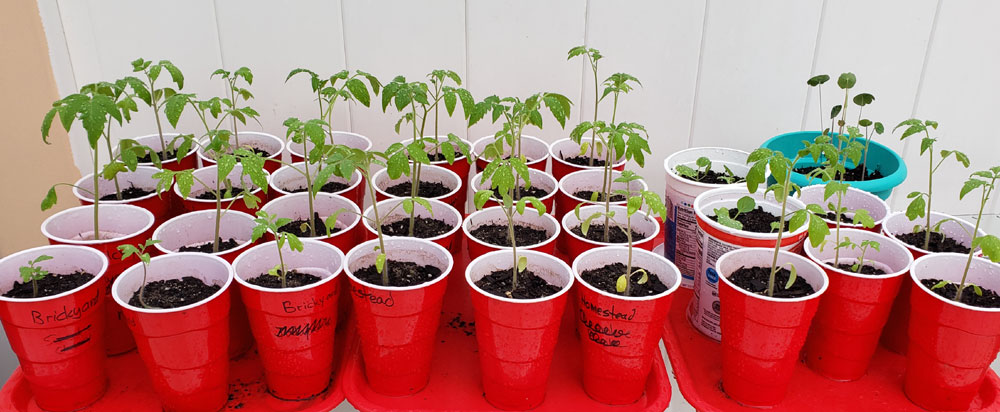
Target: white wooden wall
[715,72]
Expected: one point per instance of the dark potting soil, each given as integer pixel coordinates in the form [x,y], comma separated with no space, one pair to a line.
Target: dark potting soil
[989,299]
[714,178]
[755,280]
[853,174]
[401,274]
[439,157]
[586,194]
[940,243]
[206,247]
[865,269]
[529,286]
[495,234]
[130,192]
[423,227]
[210,194]
[528,192]
[173,293]
[300,227]
[428,190]
[329,187]
[843,218]
[51,284]
[292,280]
[606,278]
[164,156]
[617,235]
[756,220]
[583,161]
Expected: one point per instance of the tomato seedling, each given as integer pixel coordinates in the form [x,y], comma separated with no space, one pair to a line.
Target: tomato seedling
[140,251]
[267,222]
[33,273]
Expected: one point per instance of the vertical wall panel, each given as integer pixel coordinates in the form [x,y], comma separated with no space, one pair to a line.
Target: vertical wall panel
[274,38]
[403,38]
[103,37]
[755,58]
[960,90]
[518,48]
[659,46]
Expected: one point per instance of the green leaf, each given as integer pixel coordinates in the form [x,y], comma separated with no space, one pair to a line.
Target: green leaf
[449,103]
[380,262]
[175,73]
[846,80]
[989,245]
[745,204]
[621,284]
[818,80]
[50,199]
[522,263]
[818,230]
[916,208]
[794,274]
[481,197]
[861,217]
[969,186]
[863,99]
[940,284]
[722,216]
[359,90]
[293,242]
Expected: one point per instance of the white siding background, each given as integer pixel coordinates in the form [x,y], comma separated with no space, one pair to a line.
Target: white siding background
[715,72]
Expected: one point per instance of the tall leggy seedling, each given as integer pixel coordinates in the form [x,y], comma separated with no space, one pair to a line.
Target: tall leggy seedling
[312,131]
[140,251]
[781,168]
[237,92]
[267,222]
[635,203]
[592,55]
[329,92]
[920,206]
[985,181]
[156,98]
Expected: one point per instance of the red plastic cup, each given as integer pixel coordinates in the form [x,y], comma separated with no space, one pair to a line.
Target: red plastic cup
[293,327]
[389,213]
[539,179]
[186,349]
[855,199]
[291,177]
[517,336]
[951,344]
[296,207]
[849,321]
[894,335]
[257,140]
[397,325]
[496,216]
[590,180]
[762,336]
[59,339]
[572,244]
[428,173]
[123,224]
[195,228]
[563,148]
[620,334]
[533,149]
[209,175]
[352,140]
[153,141]
[162,206]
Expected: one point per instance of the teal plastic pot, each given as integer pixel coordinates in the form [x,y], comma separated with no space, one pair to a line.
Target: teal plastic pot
[880,157]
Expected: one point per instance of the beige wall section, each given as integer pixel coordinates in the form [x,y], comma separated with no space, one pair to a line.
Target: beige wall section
[28,167]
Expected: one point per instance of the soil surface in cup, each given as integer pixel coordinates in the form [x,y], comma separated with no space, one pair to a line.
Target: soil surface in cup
[206,247]
[293,279]
[853,174]
[248,146]
[440,157]
[174,293]
[989,298]
[300,227]
[130,192]
[423,227]
[328,187]
[401,274]
[529,285]
[587,195]
[865,269]
[526,192]
[596,233]
[940,243]
[232,193]
[583,161]
[164,156]
[832,217]
[715,178]
[51,284]
[606,278]
[755,279]
[756,220]
[498,235]
[428,190]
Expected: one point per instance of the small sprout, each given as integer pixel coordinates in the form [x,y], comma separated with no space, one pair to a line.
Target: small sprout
[940,284]
[792,276]
[140,251]
[33,274]
[703,164]
[267,222]
[622,284]
[522,264]
[380,262]
[743,205]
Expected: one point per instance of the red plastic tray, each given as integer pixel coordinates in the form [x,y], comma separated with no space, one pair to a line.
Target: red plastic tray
[130,390]
[698,368]
[455,383]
